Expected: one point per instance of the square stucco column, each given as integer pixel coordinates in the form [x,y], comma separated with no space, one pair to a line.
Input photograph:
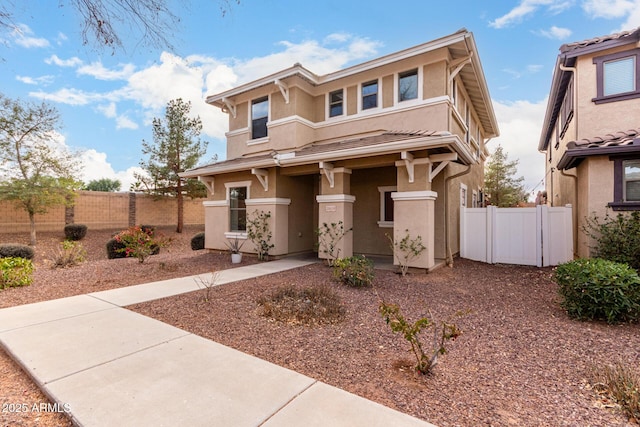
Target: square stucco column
[333,208]
[278,222]
[216,220]
[413,213]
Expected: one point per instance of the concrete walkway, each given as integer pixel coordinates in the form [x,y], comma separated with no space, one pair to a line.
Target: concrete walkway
[112,367]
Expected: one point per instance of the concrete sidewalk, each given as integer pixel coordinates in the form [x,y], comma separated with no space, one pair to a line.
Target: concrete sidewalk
[110,366]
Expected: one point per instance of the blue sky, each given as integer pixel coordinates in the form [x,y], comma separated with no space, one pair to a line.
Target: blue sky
[107,100]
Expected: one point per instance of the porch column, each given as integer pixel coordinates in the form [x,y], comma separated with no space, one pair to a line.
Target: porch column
[413,213]
[278,222]
[335,204]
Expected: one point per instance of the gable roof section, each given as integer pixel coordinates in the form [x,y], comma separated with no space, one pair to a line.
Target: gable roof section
[460,44]
[385,143]
[621,142]
[569,52]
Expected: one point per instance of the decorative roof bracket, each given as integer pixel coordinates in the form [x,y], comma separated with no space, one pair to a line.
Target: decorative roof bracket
[444,160]
[328,172]
[407,157]
[263,177]
[458,65]
[230,106]
[208,182]
[284,89]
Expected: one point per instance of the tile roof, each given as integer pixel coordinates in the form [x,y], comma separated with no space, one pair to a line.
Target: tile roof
[620,142]
[598,40]
[620,138]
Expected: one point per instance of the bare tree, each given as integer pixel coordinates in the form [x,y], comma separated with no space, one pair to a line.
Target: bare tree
[105,21]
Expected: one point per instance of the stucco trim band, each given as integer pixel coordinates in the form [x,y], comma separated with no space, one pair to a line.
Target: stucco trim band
[414,195]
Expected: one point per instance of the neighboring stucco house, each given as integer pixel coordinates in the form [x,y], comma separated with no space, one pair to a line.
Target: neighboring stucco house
[591,130]
[389,145]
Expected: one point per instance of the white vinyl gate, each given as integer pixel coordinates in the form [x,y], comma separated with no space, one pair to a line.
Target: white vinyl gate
[540,236]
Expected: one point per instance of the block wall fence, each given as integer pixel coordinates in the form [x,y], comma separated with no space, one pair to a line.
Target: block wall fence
[100,210]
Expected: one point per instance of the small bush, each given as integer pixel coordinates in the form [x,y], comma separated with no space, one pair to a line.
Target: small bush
[617,238]
[15,271]
[69,254]
[356,271]
[140,242]
[622,384]
[14,250]
[303,306]
[197,242]
[115,249]
[597,289]
[75,232]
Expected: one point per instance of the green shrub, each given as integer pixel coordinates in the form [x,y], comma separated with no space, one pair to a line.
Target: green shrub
[75,232]
[599,289]
[15,271]
[115,249]
[14,250]
[197,242]
[140,242]
[68,254]
[617,239]
[356,271]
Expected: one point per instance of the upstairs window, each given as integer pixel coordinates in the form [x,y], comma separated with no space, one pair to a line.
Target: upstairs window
[626,183]
[618,78]
[370,95]
[408,85]
[259,117]
[336,99]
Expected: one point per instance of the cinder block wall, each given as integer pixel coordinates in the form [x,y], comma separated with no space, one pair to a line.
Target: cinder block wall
[102,210]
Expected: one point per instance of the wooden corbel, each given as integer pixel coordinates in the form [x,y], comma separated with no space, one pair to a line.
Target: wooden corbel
[263,177]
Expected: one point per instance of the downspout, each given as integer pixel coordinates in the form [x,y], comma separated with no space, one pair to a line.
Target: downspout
[447,238]
[574,71]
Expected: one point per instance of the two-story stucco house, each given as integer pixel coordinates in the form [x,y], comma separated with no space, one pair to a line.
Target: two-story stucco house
[591,130]
[386,146]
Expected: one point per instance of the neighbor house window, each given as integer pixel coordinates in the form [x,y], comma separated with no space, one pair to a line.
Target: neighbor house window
[631,177]
[463,196]
[370,95]
[386,206]
[336,99]
[617,76]
[408,85]
[237,209]
[259,117]
[626,184]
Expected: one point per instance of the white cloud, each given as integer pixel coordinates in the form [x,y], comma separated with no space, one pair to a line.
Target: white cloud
[97,167]
[71,62]
[67,96]
[526,8]
[615,9]
[22,36]
[520,126]
[98,71]
[124,122]
[42,80]
[556,33]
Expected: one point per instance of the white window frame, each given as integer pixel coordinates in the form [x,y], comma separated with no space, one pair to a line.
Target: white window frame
[360,96]
[385,189]
[419,89]
[344,104]
[231,234]
[463,195]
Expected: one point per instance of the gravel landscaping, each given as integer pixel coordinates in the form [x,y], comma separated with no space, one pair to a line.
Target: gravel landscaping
[519,361]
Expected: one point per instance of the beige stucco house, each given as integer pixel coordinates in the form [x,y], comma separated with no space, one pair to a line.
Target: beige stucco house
[591,130]
[389,145]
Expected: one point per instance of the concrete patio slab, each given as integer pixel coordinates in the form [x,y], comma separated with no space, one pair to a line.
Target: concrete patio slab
[189,381]
[323,405]
[46,311]
[62,347]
